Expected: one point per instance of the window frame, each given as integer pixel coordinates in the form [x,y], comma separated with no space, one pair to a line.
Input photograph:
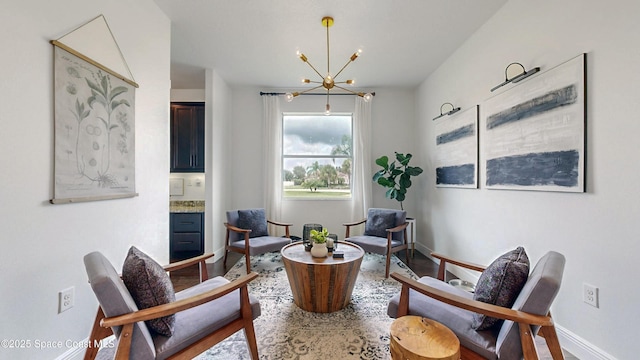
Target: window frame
[284,156]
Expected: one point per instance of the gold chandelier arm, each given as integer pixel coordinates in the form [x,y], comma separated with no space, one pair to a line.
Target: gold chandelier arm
[349,91]
[306,91]
[351,59]
[314,69]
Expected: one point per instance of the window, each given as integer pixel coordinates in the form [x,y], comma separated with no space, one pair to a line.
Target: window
[317,156]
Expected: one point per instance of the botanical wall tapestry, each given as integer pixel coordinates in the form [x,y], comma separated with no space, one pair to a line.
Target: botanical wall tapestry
[456,140]
[94,131]
[533,135]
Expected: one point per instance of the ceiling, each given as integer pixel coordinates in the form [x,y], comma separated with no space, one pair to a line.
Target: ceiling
[254,42]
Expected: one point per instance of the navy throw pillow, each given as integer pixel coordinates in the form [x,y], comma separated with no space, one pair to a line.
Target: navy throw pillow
[255,220]
[378,223]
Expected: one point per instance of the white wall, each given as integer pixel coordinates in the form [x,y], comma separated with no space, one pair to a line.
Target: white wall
[219,143]
[597,231]
[393,114]
[42,244]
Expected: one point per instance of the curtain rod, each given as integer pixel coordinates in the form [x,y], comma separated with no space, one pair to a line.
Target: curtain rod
[324,94]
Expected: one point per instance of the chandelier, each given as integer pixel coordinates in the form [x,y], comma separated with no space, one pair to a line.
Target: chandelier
[328,81]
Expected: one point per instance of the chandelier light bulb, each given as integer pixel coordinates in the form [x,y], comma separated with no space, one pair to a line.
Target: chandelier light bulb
[367,97]
[306,81]
[327,110]
[288,97]
[301,56]
[351,82]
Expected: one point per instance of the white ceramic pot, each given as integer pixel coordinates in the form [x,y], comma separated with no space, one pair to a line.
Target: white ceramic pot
[319,250]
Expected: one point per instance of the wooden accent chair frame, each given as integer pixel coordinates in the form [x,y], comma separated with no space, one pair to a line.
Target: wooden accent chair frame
[240,240]
[514,339]
[394,241]
[206,314]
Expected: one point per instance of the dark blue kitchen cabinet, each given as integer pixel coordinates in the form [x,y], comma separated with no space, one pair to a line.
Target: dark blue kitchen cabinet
[187,137]
[186,235]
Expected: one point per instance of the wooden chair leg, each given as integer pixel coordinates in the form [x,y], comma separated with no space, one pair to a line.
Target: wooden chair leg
[204,273]
[226,250]
[247,317]
[442,269]
[124,342]
[407,257]
[551,337]
[529,350]
[97,333]
[248,262]
[386,271]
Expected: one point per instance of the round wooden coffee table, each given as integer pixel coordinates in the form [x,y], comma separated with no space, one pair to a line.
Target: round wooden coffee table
[322,285]
[418,338]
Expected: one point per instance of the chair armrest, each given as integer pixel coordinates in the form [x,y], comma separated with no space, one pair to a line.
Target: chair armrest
[464,303]
[177,306]
[200,260]
[236,229]
[279,223]
[355,223]
[398,228]
[445,259]
[350,224]
[186,263]
[286,227]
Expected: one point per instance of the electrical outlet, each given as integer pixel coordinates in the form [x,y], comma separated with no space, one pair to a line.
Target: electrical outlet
[66,299]
[590,294]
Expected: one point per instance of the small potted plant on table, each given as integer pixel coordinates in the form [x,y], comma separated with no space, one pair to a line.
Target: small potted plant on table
[319,239]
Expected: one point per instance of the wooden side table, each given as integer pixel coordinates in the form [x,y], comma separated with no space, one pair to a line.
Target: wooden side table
[322,285]
[418,338]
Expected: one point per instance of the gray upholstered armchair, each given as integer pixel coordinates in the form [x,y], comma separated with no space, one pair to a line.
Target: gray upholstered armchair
[190,321]
[511,337]
[385,233]
[247,233]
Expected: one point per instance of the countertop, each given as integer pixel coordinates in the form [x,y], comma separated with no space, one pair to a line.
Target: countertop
[182,206]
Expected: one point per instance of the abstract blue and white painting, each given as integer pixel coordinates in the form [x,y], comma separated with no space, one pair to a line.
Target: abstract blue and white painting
[533,135]
[456,156]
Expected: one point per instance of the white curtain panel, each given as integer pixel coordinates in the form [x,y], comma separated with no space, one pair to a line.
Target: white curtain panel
[272,156]
[361,176]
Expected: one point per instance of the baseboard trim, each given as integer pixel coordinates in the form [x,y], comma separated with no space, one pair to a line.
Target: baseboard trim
[74,353]
[577,346]
[77,352]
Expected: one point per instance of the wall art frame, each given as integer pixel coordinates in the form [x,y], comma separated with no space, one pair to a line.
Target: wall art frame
[94,129]
[456,156]
[534,134]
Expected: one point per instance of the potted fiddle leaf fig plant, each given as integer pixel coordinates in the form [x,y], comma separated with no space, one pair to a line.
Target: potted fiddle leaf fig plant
[396,177]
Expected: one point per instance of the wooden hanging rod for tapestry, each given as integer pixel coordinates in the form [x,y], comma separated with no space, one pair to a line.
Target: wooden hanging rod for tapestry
[92,198]
[93,62]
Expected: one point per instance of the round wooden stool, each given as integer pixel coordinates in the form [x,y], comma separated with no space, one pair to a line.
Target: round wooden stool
[418,338]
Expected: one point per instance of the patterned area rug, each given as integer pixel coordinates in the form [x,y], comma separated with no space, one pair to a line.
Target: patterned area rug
[284,331]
